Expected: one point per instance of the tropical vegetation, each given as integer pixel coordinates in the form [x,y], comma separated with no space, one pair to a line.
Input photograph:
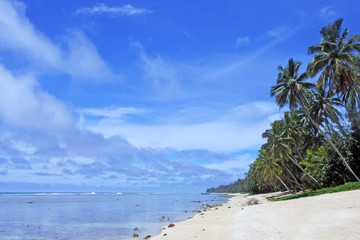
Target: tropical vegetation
[316,144]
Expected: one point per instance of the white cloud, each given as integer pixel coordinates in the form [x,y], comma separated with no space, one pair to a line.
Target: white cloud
[18,34]
[102,8]
[242,41]
[80,59]
[24,104]
[251,111]
[229,133]
[327,12]
[234,166]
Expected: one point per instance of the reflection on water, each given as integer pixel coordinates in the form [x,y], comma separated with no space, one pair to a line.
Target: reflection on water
[93,216]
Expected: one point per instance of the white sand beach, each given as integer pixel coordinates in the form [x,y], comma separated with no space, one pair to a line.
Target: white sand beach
[327,217]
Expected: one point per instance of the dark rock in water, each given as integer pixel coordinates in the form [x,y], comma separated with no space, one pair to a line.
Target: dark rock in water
[147,237]
[135,229]
[171,225]
[135,235]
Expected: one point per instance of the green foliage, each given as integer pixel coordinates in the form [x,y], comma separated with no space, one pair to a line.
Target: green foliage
[315,162]
[341,188]
[237,187]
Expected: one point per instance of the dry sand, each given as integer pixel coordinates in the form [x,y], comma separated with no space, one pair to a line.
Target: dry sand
[327,217]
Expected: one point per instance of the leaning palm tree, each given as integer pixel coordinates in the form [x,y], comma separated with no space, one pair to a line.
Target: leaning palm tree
[336,60]
[278,145]
[294,128]
[268,168]
[291,89]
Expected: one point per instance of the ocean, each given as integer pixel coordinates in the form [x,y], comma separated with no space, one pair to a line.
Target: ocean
[94,216]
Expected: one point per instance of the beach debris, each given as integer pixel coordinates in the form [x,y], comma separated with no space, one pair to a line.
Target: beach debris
[135,235]
[165,234]
[162,219]
[171,225]
[253,201]
[147,237]
[203,229]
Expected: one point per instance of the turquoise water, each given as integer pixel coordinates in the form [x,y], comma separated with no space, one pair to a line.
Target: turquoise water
[104,216]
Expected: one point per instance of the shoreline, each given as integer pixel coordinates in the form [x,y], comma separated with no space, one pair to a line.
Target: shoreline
[329,216]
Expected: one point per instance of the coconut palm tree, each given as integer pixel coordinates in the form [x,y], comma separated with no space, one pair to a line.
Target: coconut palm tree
[323,107]
[291,89]
[294,128]
[278,145]
[335,59]
[268,168]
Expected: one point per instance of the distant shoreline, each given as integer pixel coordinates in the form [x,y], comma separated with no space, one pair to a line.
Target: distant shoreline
[329,216]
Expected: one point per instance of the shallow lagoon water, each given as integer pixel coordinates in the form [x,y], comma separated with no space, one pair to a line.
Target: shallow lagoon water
[105,216]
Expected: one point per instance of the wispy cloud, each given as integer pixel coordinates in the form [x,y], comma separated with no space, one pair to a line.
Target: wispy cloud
[327,12]
[242,41]
[112,112]
[102,8]
[163,76]
[278,32]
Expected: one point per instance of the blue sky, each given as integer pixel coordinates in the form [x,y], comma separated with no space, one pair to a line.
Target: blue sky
[155,96]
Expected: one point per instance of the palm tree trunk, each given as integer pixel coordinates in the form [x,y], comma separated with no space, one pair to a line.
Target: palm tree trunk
[282,183]
[303,170]
[292,175]
[330,142]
